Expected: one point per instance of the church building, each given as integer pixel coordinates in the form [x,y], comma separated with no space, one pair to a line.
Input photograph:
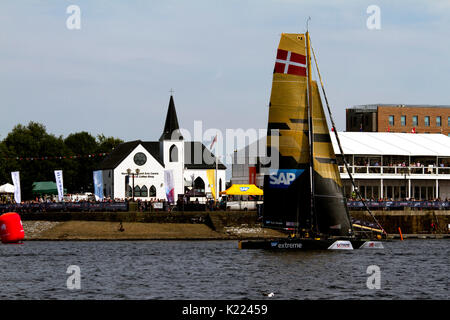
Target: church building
[138,168]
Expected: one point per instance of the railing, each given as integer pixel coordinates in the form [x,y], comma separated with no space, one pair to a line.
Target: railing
[400,170]
[444,205]
[65,206]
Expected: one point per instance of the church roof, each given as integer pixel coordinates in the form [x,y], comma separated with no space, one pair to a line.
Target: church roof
[124,149]
[191,148]
[171,124]
[153,147]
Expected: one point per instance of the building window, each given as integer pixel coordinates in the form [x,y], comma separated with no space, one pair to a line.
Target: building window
[173,154]
[403,120]
[415,120]
[391,120]
[144,191]
[448,119]
[129,193]
[427,121]
[438,121]
[152,191]
[137,191]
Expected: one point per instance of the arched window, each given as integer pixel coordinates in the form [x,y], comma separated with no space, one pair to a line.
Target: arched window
[137,191]
[173,153]
[220,185]
[144,191]
[129,192]
[152,191]
[199,185]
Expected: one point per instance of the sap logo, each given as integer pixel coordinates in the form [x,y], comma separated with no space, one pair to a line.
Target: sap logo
[274,244]
[244,188]
[283,178]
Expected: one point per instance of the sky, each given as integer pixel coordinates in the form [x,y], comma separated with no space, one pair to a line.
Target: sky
[113,76]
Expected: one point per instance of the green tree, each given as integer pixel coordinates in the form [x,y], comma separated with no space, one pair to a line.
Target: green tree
[37,154]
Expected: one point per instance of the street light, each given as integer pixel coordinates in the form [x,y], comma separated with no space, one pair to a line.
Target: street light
[132,174]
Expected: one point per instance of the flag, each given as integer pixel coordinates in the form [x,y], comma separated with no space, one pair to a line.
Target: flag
[98,184]
[212,143]
[59,184]
[170,189]
[289,62]
[210,173]
[16,181]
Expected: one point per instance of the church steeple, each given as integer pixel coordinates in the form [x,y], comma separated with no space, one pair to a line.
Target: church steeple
[171,122]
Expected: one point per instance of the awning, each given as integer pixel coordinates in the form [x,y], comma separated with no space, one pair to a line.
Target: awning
[45,187]
[243,189]
[7,188]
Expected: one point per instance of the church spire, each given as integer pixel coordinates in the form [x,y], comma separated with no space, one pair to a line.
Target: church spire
[171,122]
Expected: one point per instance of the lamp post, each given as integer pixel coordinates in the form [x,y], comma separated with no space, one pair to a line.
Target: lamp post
[132,175]
[128,182]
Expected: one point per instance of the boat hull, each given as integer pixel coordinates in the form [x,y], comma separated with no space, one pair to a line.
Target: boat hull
[310,244]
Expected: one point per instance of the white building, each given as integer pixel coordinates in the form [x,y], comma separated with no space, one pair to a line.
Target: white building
[383,165]
[140,166]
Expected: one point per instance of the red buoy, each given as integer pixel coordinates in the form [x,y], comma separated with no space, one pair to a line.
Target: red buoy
[11,229]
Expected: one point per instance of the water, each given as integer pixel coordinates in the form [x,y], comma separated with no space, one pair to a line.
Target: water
[412,269]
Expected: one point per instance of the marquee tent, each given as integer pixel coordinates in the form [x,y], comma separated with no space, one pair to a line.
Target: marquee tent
[45,187]
[7,188]
[243,190]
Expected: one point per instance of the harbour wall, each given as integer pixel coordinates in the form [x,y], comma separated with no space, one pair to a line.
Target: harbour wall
[410,221]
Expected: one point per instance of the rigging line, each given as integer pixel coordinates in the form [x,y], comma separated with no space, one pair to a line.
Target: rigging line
[310,106]
[340,147]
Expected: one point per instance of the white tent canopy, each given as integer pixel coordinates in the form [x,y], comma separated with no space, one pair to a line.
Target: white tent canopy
[7,188]
[389,143]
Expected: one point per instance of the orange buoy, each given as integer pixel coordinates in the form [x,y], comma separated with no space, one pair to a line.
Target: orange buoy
[11,229]
[400,232]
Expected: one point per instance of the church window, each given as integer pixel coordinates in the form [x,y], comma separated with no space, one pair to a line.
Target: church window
[173,153]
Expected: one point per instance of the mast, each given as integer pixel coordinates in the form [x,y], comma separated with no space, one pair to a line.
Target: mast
[310,127]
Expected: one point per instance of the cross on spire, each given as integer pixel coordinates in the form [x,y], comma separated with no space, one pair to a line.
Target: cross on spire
[171,91]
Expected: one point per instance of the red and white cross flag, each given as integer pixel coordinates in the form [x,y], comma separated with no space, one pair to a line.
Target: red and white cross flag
[289,62]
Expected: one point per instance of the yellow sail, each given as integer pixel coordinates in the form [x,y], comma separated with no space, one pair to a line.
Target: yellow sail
[287,189]
[287,111]
[323,153]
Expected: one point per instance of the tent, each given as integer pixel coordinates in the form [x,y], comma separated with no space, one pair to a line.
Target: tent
[7,188]
[243,190]
[45,187]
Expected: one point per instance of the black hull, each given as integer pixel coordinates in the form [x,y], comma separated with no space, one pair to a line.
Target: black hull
[309,244]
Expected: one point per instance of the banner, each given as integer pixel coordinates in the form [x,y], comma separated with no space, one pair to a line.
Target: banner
[212,181]
[168,182]
[59,184]
[98,185]
[16,181]
[252,175]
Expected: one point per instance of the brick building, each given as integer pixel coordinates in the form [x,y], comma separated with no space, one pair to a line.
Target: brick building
[399,118]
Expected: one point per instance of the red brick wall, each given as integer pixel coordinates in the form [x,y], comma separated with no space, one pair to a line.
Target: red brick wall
[384,112]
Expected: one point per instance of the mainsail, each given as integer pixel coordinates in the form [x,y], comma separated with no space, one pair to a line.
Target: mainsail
[307,161]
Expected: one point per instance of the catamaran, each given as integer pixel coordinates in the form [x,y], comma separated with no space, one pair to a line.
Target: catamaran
[304,196]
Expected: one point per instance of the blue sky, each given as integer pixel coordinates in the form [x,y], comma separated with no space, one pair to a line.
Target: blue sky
[114,75]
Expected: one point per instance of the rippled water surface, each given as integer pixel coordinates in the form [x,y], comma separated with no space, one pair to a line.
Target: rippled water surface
[412,269]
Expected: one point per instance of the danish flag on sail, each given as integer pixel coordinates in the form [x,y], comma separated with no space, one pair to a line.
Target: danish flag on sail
[289,62]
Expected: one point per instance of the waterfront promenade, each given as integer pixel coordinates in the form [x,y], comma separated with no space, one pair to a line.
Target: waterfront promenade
[215,225]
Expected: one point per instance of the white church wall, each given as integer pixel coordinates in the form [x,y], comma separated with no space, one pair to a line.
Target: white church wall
[151,173]
[202,173]
[175,166]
